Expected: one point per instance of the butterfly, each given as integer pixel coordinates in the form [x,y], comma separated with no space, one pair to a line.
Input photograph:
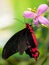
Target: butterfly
[22,41]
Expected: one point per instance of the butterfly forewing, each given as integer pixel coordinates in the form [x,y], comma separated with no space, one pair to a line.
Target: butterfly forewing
[22,46]
[15,43]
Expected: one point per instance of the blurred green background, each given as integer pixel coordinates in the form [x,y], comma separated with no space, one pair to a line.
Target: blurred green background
[12,21]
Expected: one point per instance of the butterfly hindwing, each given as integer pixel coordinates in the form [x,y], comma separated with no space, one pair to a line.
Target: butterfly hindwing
[30,39]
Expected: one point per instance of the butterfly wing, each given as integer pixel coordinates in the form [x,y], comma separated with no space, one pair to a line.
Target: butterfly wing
[16,43]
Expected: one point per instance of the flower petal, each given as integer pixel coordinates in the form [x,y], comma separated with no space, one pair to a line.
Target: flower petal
[43,20]
[42,8]
[36,22]
[28,14]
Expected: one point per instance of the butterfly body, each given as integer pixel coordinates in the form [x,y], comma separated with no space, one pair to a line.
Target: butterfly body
[24,40]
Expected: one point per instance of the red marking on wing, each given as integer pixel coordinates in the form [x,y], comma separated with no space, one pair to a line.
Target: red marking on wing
[32,33]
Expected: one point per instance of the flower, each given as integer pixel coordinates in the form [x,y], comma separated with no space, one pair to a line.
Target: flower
[37,15]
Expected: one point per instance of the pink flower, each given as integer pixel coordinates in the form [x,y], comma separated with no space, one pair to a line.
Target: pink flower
[37,17]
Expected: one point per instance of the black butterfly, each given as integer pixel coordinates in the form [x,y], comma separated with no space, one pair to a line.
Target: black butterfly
[24,40]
